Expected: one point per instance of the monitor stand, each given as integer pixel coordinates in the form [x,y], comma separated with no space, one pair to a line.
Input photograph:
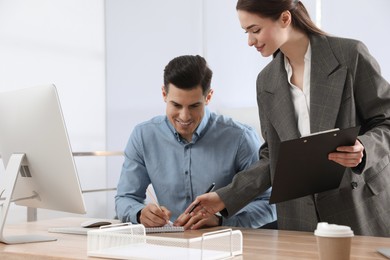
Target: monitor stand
[11,175]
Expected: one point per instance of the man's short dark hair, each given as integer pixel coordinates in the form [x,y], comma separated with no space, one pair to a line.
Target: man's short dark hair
[188,72]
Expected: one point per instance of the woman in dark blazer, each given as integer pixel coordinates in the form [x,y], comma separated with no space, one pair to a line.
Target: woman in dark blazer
[315,82]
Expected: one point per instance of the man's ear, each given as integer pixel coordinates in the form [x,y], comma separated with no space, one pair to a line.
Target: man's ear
[209,96]
[164,93]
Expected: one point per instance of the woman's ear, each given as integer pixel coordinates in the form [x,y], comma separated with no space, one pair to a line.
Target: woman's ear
[285,18]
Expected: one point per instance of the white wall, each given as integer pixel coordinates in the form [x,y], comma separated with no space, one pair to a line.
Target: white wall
[61,42]
[362,20]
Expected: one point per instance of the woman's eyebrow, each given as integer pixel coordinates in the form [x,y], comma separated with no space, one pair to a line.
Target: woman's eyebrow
[249,27]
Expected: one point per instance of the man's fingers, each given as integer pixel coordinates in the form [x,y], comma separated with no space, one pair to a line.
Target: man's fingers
[154,216]
[166,212]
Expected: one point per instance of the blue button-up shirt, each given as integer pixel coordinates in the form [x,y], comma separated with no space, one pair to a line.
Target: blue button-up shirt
[180,170]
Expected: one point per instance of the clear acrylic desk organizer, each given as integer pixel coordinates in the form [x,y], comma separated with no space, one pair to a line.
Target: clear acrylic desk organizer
[131,242]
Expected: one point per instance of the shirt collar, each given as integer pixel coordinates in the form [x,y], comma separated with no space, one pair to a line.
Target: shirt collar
[308,53]
[199,130]
[203,123]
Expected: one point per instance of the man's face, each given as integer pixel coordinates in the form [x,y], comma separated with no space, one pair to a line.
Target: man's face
[185,108]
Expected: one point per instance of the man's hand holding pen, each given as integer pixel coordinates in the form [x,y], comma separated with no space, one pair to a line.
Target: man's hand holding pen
[154,215]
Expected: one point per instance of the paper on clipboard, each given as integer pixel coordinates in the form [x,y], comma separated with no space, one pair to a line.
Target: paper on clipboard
[303,167]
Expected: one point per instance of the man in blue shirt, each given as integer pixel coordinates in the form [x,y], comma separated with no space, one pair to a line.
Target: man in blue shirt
[185,151]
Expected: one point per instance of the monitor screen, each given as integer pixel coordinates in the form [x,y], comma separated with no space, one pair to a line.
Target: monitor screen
[32,130]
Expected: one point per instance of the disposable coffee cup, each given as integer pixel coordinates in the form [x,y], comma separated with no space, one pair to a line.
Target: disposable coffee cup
[333,241]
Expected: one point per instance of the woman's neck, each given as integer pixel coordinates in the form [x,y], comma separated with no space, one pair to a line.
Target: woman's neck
[295,48]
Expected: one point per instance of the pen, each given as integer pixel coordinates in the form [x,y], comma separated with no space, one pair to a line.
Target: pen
[153,198]
[156,202]
[207,191]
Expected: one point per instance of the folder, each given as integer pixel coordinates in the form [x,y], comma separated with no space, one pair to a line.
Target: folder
[303,167]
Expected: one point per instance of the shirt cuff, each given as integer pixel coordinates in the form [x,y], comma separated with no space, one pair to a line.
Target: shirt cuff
[138,216]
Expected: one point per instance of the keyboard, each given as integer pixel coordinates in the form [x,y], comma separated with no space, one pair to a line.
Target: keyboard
[71,230]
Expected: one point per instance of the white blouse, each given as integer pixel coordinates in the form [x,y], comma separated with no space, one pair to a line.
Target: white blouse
[301,99]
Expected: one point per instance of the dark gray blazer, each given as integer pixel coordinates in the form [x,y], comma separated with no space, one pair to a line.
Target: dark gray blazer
[346,90]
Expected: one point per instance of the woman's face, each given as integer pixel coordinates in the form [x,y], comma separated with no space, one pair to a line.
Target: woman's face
[265,34]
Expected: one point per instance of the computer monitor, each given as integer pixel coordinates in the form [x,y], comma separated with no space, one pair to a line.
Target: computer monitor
[39,168]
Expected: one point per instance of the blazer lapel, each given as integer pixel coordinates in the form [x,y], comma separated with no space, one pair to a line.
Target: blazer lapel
[276,98]
[326,85]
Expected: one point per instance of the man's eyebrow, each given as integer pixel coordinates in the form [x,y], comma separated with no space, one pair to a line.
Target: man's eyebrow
[196,103]
[177,104]
[173,102]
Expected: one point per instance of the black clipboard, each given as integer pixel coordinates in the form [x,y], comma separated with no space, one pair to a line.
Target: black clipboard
[303,167]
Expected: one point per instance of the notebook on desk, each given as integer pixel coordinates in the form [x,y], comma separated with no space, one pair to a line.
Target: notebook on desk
[165,229]
[84,231]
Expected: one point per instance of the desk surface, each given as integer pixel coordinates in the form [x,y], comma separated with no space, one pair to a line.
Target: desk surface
[258,243]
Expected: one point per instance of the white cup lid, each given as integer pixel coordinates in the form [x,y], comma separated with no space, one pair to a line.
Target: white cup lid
[331,230]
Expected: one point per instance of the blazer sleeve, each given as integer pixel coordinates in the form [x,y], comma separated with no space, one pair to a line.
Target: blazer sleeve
[247,185]
[372,97]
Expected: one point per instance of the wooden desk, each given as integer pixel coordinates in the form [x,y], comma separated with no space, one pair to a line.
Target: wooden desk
[258,243]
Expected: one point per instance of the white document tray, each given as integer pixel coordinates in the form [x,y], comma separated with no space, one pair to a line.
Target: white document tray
[131,242]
